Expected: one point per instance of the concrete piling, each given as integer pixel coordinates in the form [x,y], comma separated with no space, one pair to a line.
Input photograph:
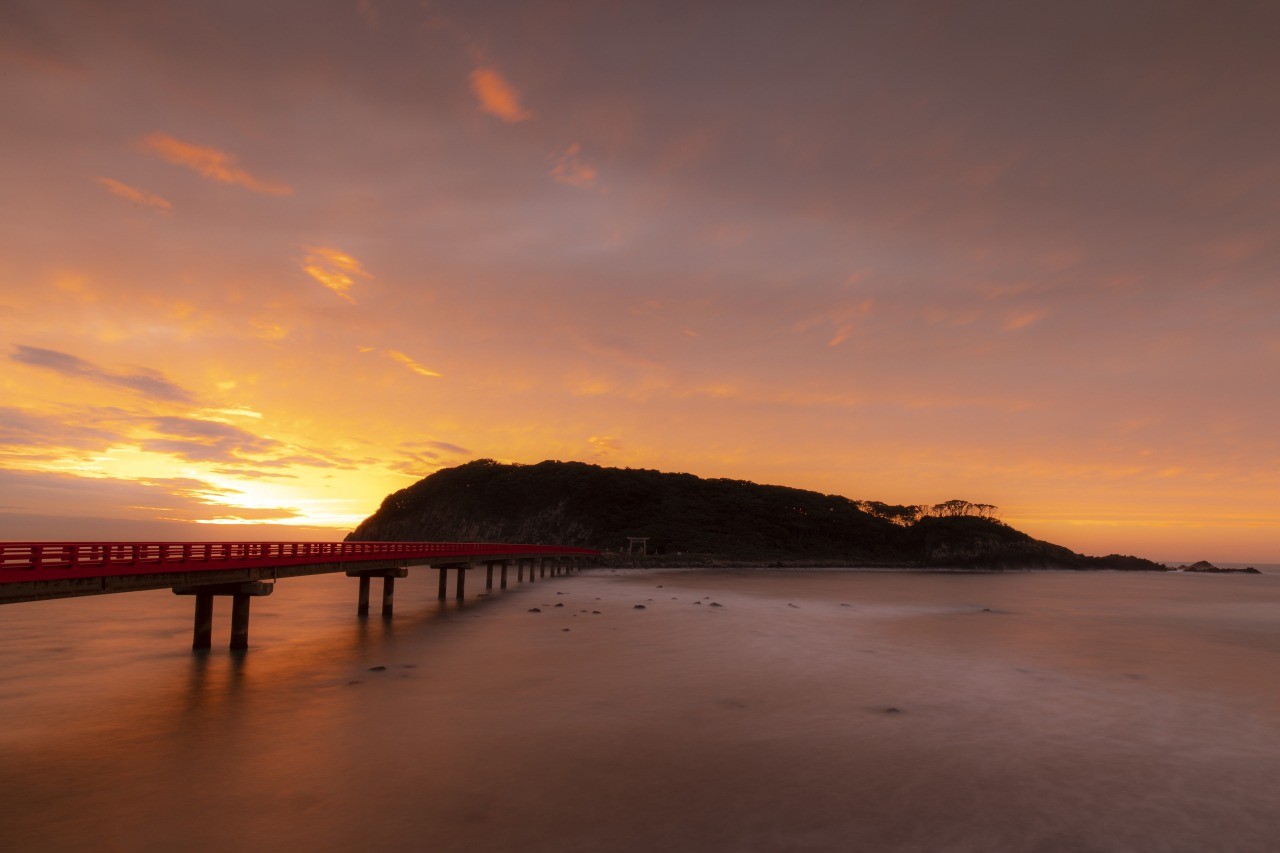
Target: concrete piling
[362,604]
[239,621]
[388,595]
[203,636]
[202,628]
[388,587]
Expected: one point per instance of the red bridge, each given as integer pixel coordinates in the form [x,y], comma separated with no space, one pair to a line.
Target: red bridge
[31,571]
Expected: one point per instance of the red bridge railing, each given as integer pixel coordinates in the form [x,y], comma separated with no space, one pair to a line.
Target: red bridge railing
[31,561]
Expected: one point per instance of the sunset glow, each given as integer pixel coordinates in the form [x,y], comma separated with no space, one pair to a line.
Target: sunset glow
[259,270]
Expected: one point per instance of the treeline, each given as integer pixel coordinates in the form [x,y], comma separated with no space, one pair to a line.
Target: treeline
[908,514]
[574,503]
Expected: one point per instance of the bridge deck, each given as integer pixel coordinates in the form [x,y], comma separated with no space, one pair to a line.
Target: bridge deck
[31,571]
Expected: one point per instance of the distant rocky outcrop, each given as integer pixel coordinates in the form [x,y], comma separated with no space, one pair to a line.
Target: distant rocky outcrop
[1206,566]
[695,521]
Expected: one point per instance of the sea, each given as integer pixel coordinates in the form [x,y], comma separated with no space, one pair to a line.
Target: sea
[656,710]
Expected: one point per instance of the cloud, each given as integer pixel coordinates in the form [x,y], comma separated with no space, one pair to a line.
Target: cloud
[1023,319]
[497,96]
[419,458]
[145,381]
[211,163]
[571,169]
[189,486]
[71,497]
[411,364]
[197,440]
[231,412]
[334,269]
[23,431]
[238,514]
[141,198]
[446,447]
[605,445]
[846,321]
[254,474]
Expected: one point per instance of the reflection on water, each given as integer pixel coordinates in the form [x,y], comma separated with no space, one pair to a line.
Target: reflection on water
[809,711]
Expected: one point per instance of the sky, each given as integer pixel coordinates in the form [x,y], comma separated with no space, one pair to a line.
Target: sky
[262,264]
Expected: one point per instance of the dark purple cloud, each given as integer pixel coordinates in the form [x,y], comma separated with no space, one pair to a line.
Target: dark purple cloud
[148,382]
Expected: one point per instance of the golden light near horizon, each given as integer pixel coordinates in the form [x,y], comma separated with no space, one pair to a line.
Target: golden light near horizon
[901,254]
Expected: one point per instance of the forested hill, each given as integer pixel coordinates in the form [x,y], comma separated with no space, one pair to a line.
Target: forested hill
[573,503]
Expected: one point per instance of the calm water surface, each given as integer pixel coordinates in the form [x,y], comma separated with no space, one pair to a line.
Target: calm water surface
[811,711]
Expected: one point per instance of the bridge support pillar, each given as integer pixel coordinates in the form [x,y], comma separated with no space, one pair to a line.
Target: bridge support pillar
[239,621]
[542,567]
[444,581]
[388,588]
[462,582]
[203,636]
[488,575]
[519,571]
[503,581]
[362,603]
[202,633]
[388,595]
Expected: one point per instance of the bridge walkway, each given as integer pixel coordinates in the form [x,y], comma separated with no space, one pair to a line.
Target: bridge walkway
[33,571]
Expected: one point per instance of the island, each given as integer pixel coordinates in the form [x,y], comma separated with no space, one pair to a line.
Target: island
[1209,568]
[642,517]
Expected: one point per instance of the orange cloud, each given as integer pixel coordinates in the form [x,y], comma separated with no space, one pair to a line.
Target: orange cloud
[497,96]
[1022,320]
[604,445]
[411,364]
[335,270]
[846,321]
[135,195]
[211,163]
[571,169]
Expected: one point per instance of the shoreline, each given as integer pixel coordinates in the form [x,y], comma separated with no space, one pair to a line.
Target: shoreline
[713,563]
